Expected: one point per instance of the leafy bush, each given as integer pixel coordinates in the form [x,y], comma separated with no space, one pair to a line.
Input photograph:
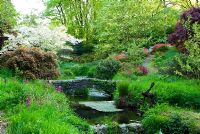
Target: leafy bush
[103,51]
[107,68]
[136,55]
[171,120]
[31,63]
[176,125]
[66,74]
[184,28]
[188,64]
[82,48]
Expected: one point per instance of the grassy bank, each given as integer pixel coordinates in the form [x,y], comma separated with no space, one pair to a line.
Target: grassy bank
[170,119]
[36,107]
[172,90]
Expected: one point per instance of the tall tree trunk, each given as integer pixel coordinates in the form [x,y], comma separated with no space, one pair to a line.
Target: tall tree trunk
[63,14]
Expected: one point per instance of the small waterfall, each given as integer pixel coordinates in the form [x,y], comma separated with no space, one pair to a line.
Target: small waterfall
[96,93]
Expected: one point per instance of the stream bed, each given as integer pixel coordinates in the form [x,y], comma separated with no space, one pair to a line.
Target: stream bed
[94,117]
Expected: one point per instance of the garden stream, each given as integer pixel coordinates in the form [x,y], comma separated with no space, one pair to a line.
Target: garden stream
[98,108]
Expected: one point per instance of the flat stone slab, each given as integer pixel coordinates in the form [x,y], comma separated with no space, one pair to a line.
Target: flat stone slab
[101,106]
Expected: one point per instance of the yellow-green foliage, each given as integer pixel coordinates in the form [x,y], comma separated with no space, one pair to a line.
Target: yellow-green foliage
[7,15]
[188,65]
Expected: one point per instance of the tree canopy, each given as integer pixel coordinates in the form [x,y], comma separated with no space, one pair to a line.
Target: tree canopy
[7,15]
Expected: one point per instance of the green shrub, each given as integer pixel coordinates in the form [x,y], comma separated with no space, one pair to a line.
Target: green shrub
[188,64]
[107,68]
[31,63]
[176,125]
[103,50]
[81,48]
[136,55]
[171,120]
[81,70]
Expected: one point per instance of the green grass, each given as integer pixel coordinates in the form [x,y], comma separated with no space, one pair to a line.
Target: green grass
[171,119]
[11,93]
[70,70]
[173,90]
[162,58]
[48,113]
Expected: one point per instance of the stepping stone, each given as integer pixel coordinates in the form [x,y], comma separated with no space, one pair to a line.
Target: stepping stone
[101,106]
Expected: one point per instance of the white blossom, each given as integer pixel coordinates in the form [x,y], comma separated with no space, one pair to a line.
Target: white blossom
[49,39]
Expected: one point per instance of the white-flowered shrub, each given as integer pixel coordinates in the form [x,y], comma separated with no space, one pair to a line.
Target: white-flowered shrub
[49,39]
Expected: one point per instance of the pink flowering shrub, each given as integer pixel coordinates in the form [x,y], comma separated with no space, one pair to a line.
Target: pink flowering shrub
[143,70]
[121,56]
[158,47]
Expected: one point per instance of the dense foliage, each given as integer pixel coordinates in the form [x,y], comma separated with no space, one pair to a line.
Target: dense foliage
[31,63]
[7,15]
[121,42]
[103,24]
[171,120]
[184,28]
[187,64]
[107,68]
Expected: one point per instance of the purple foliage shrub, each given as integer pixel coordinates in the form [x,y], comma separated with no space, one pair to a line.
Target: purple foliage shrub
[183,29]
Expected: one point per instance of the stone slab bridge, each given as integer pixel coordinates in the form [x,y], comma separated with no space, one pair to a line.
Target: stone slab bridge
[71,86]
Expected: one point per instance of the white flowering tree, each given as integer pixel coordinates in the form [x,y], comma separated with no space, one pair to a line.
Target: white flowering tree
[49,39]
